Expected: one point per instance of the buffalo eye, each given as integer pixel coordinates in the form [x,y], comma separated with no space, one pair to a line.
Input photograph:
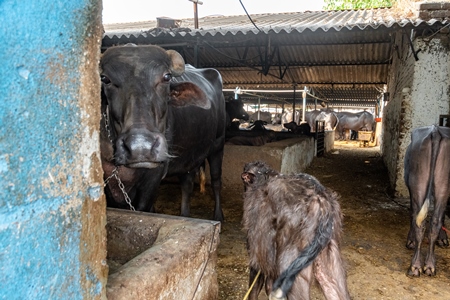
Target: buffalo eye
[167,77]
[105,79]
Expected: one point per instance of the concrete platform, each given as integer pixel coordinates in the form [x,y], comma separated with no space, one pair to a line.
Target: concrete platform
[154,256]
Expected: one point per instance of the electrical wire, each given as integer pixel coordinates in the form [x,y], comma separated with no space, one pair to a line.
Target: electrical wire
[249,16]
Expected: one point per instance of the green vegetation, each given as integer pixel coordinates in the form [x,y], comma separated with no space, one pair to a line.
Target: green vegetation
[356,4]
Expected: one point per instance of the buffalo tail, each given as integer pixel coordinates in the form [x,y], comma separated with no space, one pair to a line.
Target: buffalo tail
[284,282]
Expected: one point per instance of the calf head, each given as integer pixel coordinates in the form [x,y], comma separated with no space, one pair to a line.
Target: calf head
[137,90]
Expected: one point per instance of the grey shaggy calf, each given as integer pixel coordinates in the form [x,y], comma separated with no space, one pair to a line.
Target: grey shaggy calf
[293,226]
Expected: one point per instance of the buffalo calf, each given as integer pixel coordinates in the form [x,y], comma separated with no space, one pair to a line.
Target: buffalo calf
[293,227]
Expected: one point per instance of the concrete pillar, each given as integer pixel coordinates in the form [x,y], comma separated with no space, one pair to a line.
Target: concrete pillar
[52,207]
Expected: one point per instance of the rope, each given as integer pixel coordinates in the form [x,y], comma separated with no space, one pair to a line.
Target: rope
[251,287]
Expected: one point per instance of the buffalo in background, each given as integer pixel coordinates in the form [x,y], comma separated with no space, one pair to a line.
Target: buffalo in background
[262,116]
[328,116]
[303,128]
[361,121]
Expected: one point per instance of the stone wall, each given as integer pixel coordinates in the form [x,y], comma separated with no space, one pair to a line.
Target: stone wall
[419,92]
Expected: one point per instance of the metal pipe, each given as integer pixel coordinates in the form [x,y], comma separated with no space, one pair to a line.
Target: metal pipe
[242,91]
[293,105]
[259,108]
[304,105]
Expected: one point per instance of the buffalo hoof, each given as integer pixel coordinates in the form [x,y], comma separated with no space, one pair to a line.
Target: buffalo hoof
[430,271]
[410,244]
[442,243]
[413,272]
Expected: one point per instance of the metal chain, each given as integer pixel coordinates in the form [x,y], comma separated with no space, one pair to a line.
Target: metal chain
[105,117]
[115,172]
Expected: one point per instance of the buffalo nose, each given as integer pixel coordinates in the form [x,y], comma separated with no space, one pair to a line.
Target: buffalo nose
[137,143]
[140,146]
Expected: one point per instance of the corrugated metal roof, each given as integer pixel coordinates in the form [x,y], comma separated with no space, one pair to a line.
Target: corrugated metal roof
[287,22]
[344,56]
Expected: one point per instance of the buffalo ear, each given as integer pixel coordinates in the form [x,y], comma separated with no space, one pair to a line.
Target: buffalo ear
[187,94]
[177,66]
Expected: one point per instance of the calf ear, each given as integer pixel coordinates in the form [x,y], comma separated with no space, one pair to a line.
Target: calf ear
[187,93]
[177,67]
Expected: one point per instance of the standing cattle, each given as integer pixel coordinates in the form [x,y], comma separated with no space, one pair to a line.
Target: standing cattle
[261,115]
[328,116]
[293,226]
[289,116]
[354,121]
[427,176]
[310,118]
[154,113]
[276,118]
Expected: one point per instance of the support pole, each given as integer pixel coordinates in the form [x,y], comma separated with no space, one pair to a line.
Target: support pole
[259,108]
[196,2]
[293,105]
[304,106]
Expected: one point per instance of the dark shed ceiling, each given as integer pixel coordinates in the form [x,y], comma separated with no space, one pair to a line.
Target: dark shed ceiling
[342,57]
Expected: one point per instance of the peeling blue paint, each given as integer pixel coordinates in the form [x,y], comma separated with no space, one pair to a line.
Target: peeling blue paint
[94,192]
[41,191]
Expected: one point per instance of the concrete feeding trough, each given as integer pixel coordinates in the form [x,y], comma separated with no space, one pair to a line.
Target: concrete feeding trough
[288,156]
[152,256]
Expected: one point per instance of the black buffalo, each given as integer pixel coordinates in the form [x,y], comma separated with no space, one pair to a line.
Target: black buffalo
[427,176]
[235,110]
[154,113]
[303,128]
[361,121]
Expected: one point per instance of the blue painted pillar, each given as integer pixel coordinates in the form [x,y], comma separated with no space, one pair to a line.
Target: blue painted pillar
[52,208]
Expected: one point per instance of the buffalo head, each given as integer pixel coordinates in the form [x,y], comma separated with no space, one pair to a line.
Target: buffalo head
[137,90]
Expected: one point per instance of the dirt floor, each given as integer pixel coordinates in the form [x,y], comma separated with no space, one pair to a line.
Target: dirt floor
[375,230]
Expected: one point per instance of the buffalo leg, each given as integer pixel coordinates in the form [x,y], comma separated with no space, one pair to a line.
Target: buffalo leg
[418,229]
[187,186]
[410,240]
[215,169]
[253,295]
[441,191]
[442,240]
[301,288]
[435,227]
[330,273]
